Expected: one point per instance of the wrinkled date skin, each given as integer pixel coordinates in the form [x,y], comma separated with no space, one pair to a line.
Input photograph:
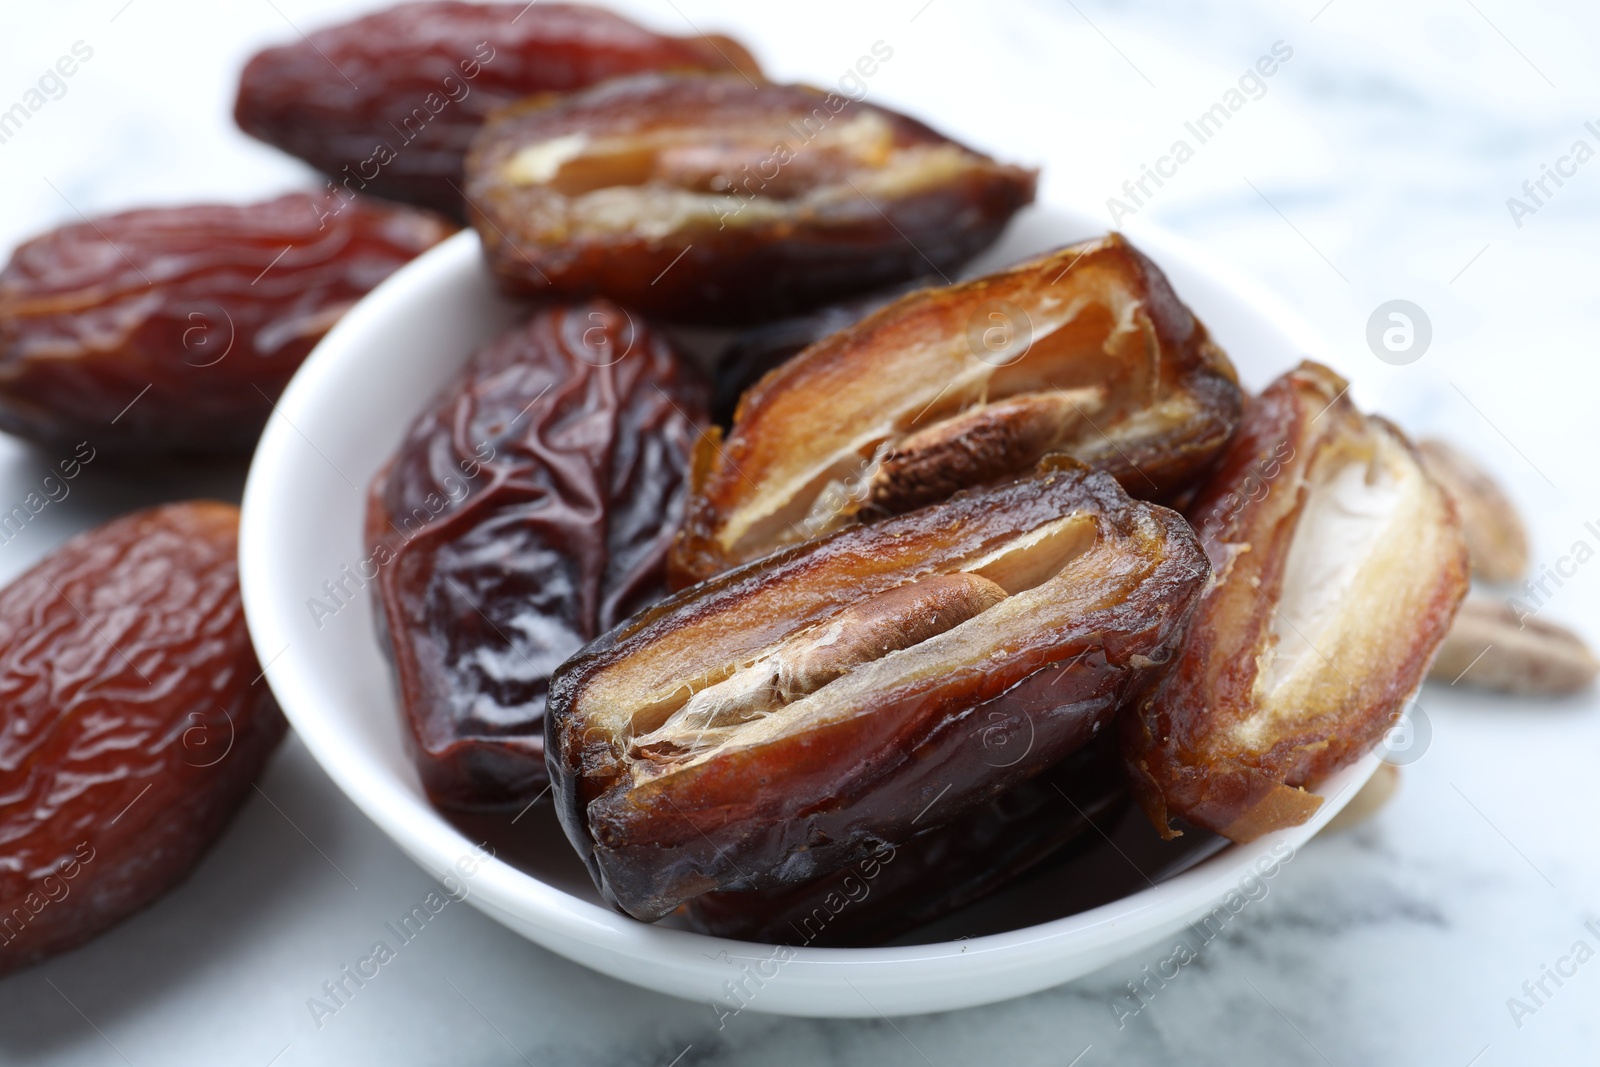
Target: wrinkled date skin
[720,200]
[528,510]
[174,329]
[1085,351]
[135,722]
[895,890]
[1339,567]
[756,352]
[387,104]
[796,714]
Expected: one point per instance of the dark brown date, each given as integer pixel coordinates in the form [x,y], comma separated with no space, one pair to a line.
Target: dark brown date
[528,509]
[174,329]
[896,890]
[717,199]
[1339,566]
[135,722]
[387,104]
[1085,351]
[791,716]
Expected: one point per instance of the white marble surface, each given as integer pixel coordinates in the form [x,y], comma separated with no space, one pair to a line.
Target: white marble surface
[1376,166]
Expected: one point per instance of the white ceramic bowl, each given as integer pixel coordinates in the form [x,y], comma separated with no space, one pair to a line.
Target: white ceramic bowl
[346,411]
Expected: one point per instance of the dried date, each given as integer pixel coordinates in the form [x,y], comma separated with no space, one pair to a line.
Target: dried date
[791,716]
[387,104]
[528,509]
[174,329]
[1085,351]
[717,199]
[1339,565]
[135,722]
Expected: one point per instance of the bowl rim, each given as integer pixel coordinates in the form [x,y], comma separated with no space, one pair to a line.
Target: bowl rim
[683,960]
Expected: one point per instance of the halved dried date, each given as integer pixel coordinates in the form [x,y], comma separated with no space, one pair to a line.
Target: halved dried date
[791,716]
[1339,566]
[1085,351]
[174,329]
[895,890]
[720,199]
[135,721]
[528,509]
[387,104]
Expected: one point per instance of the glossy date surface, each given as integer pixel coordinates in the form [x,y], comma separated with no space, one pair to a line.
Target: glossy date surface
[1086,351]
[174,329]
[1339,566]
[789,717]
[895,890]
[135,721]
[387,104]
[719,199]
[529,509]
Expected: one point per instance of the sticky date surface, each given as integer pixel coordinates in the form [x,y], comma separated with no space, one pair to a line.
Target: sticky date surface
[135,722]
[174,329]
[529,509]
[680,765]
[388,103]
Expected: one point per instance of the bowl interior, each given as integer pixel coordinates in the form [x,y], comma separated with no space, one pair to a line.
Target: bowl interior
[311,616]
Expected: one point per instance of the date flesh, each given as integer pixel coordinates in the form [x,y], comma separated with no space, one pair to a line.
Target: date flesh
[1086,351]
[716,199]
[388,103]
[791,716]
[756,352]
[135,722]
[1339,567]
[896,890]
[529,509]
[174,329]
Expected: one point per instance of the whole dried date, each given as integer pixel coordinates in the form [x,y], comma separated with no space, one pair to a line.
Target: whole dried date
[1085,351]
[135,722]
[895,890]
[174,329]
[387,104]
[719,199]
[793,715]
[528,509]
[1339,566]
